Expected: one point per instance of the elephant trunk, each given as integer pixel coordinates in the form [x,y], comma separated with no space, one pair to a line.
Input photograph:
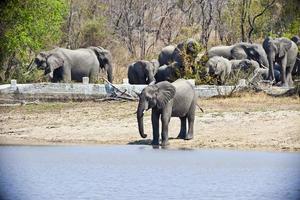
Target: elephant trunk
[265,62]
[140,119]
[271,68]
[109,72]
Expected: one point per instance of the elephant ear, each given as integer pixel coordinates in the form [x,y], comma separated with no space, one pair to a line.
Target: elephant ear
[166,91]
[239,52]
[55,61]
[180,46]
[40,58]
[102,54]
[284,46]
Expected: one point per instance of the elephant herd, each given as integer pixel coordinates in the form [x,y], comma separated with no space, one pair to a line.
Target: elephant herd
[166,94]
[275,60]
[169,66]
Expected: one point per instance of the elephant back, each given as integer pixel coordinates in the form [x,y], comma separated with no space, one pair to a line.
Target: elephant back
[166,55]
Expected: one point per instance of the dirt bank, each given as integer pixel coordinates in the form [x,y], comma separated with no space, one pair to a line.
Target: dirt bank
[254,121]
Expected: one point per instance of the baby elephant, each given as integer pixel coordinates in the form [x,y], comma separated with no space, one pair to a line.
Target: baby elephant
[219,67]
[177,99]
[142,71]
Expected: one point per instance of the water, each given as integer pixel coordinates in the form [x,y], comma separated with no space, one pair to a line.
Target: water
[140,172]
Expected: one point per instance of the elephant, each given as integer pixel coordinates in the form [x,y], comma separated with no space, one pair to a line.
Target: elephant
[170,54]
[166,55]
[177,99]
[218,67]
[263,74]
[243,68]
[241,50]
[142,71]
[64,65]
[284,52]
[244,65]
[296,39]
[168,73]
[296,70]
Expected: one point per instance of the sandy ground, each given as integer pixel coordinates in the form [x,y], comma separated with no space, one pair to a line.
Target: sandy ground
[253,121]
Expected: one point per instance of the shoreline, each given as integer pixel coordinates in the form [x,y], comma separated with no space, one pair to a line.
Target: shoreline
[31,143]
[251,122]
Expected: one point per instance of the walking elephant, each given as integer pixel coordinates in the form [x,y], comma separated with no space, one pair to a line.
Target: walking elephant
[241,50]
[177,99]
[218,67]
[284,52]
[142,71]
[64,65]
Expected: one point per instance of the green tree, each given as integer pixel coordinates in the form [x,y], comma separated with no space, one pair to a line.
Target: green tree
[27,26]
[288,23]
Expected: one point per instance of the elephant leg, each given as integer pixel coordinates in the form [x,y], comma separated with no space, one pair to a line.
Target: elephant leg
[289,77]
[93,76]
[66,75]
[155,127]
[283,73]
[182,132]
[191,119]
[289,74]
[221,79]
[165,128]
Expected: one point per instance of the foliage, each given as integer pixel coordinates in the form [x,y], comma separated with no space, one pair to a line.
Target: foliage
[134,29]
[27,27]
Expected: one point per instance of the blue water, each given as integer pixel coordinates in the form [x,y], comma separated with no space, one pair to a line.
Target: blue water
[140,172]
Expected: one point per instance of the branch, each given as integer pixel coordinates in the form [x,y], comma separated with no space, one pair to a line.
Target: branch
[180,5]
[251,23]
[118,90]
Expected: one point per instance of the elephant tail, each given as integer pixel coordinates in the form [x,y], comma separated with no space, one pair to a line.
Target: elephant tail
[199,107]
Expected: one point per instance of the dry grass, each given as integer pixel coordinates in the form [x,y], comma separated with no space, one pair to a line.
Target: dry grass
[242,122]
[248,102]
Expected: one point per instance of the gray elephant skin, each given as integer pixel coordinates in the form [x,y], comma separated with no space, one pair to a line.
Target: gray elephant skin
[142,71]
[244,65]
[65,65]
[244,69]
[296,39]
[241,50]
[296,70]
[263,74]
[168,73]
[219,67]
[177,99]
[284,52]
[170,54]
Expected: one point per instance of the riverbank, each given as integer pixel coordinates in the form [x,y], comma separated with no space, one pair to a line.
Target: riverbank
[253,121]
